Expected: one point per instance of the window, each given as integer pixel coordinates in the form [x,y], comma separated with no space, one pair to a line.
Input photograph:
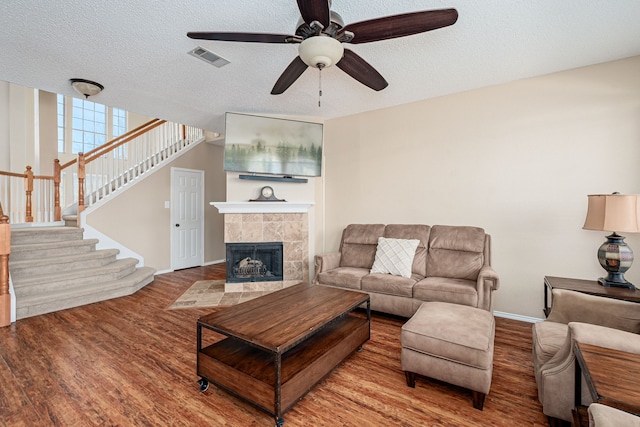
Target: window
[119,122]
[88,127]
[60,123]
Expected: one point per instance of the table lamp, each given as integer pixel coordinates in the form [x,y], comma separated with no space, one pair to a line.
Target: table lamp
[614,212]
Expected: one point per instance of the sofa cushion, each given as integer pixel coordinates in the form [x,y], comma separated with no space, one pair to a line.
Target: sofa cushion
[344,277]
[455,252]
[547,338]
[456,291]
[395,256]
[413,231]
[390,285]
[359,244]
[453,332]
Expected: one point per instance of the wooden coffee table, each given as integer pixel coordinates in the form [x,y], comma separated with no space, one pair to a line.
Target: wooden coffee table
[278,346]
[611,376]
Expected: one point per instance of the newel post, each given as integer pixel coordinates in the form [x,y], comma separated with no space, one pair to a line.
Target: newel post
[28,186]
[5,248]
[57,211]
[81,175]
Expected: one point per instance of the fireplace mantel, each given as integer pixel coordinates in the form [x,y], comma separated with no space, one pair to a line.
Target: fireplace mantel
[262,207]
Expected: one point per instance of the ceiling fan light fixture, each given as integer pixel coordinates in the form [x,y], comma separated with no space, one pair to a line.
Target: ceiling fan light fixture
[86,87]
[320,51]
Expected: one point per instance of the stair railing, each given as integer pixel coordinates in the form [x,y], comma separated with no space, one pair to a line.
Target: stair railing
[27,197]
[94,175]
[5,249]
[111,166]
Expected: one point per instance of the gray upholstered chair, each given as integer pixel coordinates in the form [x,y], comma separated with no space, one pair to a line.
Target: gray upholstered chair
[577,317]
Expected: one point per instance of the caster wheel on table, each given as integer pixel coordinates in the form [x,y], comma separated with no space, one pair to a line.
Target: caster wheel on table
[204,384]
[359,349]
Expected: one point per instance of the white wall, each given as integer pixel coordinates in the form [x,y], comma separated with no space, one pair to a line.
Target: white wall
[517,159]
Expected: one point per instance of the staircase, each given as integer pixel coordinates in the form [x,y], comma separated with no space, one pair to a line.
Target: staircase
[54,268]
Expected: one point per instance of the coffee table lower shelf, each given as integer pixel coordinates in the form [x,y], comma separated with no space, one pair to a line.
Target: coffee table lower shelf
[275,382]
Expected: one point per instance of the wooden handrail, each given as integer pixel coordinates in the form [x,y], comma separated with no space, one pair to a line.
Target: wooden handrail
[17,175]
[109,143]
[139,130]
[104,149]
[5,249]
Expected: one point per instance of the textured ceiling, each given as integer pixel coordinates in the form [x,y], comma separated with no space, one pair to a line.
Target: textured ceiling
[138,51]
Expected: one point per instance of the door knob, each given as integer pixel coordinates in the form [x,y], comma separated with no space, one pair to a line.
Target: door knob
[177,225]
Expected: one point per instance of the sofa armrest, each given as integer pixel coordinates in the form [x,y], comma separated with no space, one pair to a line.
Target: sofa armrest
[488,281]
[570,306]
[325,262]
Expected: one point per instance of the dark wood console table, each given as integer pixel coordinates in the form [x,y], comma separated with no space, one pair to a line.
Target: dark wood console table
[611,376]
[591,287]
[278,346]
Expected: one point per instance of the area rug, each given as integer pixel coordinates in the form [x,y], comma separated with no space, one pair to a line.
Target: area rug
[210,293]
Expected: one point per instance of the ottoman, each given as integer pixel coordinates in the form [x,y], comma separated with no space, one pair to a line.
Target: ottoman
[451,343]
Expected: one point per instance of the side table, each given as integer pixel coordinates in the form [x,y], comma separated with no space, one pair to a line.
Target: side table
[611,376]
[591,287]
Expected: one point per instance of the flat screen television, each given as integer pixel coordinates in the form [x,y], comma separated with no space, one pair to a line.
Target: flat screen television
[267,145]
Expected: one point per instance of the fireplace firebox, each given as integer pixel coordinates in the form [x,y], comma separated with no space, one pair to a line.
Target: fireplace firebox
[254,262]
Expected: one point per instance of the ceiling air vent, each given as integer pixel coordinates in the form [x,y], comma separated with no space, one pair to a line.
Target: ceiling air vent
[207,56]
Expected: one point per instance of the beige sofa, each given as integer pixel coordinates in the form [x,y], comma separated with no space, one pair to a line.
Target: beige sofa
[451,264]
[577,317]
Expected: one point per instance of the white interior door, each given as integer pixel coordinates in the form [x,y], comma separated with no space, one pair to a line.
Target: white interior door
[187,218]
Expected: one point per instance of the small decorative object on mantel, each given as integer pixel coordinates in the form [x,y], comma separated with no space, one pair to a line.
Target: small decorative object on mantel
[267,195]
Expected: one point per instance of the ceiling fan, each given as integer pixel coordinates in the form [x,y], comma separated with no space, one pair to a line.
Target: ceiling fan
[321,33]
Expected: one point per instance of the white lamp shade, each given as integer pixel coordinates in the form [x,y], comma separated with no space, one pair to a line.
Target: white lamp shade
[322,51]
[613,212]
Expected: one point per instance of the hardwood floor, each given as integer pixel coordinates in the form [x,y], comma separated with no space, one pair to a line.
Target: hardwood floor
[131,362]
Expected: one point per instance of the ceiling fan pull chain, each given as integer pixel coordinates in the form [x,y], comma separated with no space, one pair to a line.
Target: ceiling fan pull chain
[320,67]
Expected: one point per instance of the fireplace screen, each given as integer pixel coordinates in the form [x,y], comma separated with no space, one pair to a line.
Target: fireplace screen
[254,262]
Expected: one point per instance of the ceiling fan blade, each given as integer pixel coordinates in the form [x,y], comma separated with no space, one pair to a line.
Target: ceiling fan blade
[352,64]
[315,10]
[406,24]
[242,37]
[290,75]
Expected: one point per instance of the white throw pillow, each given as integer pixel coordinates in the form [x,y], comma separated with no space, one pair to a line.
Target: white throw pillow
[395,256]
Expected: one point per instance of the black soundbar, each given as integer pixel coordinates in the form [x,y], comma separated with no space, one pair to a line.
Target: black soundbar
[286,178]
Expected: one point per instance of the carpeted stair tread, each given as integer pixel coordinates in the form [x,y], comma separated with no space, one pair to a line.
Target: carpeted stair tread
[64,259]
[76,296]
[21,236]
[61,264]
[41,250]
[84,274]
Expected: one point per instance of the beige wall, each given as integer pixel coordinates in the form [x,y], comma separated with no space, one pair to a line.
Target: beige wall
[48,131]
[517,159]
[146,228]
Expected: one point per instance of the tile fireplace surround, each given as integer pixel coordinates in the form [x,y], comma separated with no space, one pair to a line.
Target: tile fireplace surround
[286,222]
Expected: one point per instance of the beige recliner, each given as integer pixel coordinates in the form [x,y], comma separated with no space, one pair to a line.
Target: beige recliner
[577,317]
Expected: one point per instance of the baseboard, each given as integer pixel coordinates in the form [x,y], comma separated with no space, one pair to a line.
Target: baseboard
[517,317]
[218,261]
